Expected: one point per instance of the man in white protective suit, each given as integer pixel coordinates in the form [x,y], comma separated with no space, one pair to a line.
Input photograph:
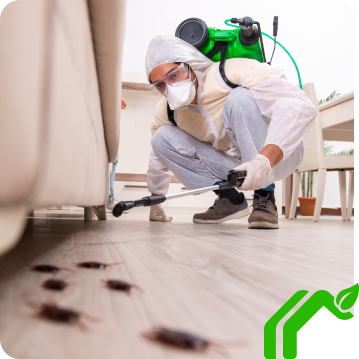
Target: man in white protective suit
[257,127]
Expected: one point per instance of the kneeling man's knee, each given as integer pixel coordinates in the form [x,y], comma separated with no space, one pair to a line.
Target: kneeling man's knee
[239,93]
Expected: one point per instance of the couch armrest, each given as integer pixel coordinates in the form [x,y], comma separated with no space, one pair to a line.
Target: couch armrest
[107,19]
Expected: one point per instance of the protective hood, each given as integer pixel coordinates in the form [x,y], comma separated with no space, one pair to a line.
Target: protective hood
[168,48]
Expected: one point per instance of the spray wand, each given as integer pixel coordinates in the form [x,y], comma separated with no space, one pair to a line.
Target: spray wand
[234,179]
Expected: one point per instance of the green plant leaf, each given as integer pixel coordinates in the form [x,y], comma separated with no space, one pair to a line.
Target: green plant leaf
[347,297]
[329,98]
[328,148]
[345,152]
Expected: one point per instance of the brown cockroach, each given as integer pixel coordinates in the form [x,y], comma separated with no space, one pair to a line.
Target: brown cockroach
[56,284]
[47,268]
[51,311]
[121,285]
[188,341]
[96,265]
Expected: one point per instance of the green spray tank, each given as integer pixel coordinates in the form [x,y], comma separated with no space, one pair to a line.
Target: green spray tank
[245,40]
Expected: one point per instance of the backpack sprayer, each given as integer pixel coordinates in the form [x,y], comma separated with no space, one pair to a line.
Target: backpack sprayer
[240,42]
[218,45]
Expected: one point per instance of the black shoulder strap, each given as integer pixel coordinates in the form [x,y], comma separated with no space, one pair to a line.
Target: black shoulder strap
[217,46]
[221,45]
[171,114]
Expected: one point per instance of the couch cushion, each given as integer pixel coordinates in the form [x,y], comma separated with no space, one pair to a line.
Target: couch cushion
[23,36]
[52,143]
[74,162]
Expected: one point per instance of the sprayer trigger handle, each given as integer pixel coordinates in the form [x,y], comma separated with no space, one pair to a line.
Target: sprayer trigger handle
[236,178]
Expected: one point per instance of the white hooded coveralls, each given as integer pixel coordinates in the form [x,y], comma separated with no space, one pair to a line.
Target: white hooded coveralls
[288,108]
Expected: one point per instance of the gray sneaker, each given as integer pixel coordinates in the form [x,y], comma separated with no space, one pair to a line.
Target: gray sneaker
[264,214]
[223,210]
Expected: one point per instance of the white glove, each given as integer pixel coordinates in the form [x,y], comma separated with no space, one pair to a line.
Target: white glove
[257,172]
[157,214]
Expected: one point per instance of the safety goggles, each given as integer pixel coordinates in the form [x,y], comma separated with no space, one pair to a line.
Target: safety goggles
[177,74]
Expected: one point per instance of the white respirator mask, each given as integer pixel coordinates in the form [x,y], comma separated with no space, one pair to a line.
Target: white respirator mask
[180,94]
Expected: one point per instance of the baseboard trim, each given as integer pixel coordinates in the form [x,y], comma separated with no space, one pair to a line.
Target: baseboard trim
[324,211]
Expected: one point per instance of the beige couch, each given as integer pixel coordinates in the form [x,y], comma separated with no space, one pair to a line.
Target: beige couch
[60,92]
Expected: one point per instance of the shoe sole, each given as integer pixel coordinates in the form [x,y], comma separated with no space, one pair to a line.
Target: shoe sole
[265,225]
[240,214]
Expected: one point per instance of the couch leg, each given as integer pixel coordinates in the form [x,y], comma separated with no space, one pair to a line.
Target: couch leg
[12,225]
[88,214]
[100,212]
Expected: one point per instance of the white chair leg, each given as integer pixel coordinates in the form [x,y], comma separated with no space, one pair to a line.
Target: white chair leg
[288,194]
[343,193]
[322,173]
[350,195]
[295,189]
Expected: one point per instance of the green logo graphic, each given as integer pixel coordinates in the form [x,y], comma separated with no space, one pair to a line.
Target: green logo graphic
[339,307]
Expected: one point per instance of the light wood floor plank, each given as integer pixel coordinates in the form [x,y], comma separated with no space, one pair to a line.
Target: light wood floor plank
[220,281]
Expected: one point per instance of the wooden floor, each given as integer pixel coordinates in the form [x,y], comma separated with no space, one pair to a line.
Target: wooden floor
[219,281]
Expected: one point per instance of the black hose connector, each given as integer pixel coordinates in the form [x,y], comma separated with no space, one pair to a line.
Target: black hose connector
[249,34]
[159,198]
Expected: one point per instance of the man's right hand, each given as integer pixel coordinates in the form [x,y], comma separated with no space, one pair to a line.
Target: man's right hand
[257,172]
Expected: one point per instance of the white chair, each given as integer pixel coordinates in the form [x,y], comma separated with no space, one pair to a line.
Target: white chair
[316,161]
